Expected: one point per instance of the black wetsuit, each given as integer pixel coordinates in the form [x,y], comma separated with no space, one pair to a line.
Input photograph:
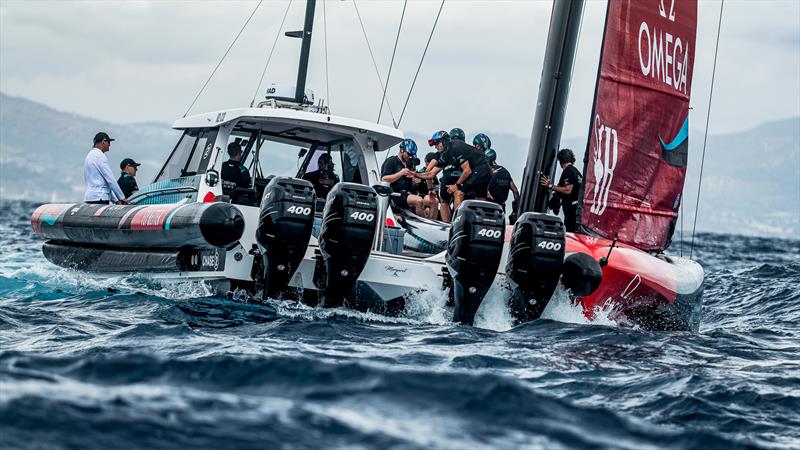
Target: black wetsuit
[500,185]
[402,185]
[234,174]
[455,154]
[570,176]
[320,189]
[128,184]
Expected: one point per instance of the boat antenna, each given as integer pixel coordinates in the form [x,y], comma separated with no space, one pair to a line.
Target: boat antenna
[705,137]
[325,35]
[269,58]
[305,50]
[391,63]
[374,64]
[223,58]
[408,97]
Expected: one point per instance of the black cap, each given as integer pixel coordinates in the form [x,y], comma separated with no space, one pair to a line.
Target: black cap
[102,136]
[128,162]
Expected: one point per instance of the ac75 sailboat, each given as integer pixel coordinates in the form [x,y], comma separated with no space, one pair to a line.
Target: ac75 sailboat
[276,237]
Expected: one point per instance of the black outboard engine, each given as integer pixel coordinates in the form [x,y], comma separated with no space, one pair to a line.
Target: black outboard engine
[345,240]
[534,263]
[474,250]
[284,229]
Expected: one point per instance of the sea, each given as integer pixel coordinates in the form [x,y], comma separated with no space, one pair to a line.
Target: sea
[124,362]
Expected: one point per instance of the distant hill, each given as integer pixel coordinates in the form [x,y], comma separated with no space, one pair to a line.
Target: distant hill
[751,183]
[42,150]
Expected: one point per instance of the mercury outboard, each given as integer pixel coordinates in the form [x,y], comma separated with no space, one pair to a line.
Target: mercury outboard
[534,263]
[284,229]
[473,255]
[345,240]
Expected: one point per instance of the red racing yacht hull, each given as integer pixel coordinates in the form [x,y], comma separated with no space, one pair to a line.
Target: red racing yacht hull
[638,288]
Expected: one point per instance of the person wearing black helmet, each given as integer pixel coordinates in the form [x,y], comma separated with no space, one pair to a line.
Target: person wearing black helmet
[450,175]
[481,142]
[396,171]
[475,171]
[234,174]
[127,181]
[501,182]
[324,177]
[568,188]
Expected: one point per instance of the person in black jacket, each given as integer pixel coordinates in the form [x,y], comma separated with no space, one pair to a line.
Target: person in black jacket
[324,178]
[127,181]
[475,171]
[234,174]
[501,182]
[568,188]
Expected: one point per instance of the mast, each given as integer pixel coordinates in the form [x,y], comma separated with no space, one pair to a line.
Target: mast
[551,105]
[305,50]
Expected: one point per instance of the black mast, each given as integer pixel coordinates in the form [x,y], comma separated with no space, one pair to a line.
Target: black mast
[305,50]
[551,105]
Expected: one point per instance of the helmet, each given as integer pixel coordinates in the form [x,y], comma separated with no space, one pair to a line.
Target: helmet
[325,158]
[491,155]
[565,155]
[439,136]
[482,141]
[457,134]
[409,146]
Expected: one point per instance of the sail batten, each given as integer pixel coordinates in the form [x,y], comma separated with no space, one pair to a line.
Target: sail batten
[637,151]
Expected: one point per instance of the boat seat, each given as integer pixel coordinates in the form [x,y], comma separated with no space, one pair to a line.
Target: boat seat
[245,197]
[261,184]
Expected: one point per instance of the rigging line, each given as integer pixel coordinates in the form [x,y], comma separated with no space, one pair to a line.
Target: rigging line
[223,58]
[377,73]
[705,137]
[391,63]
[272,50]
[681,214]
[325,33]
[408,97]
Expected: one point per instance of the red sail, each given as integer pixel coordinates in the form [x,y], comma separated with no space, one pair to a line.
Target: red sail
[637,152]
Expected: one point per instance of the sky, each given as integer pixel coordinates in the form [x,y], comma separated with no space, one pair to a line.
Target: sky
[144,61]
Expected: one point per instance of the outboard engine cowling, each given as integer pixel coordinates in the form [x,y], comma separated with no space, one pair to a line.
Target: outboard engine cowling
[474,250]
[534,263]
[581,274]
[345,240]
[284,229]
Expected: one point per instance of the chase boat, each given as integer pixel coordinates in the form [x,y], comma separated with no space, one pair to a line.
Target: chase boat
[277,238]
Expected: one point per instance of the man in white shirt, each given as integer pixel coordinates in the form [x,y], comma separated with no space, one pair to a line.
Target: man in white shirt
[101,187]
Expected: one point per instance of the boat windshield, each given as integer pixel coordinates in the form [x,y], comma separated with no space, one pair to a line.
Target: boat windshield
[266,155]
[191,154]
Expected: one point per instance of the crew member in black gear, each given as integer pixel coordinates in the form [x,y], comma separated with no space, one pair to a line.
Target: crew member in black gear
[323,178]
[396,172]
[475,175]
[568,188]
[501,182]
[126,181]
[234,173]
